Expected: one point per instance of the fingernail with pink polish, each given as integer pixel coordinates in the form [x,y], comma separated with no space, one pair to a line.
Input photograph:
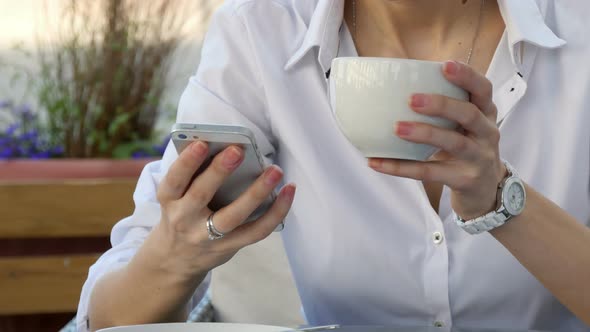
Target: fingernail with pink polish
[273,176]
[404,128]
[199,148]
[232,157]
[451,67]
[289,193]
[375,163]
[419,100]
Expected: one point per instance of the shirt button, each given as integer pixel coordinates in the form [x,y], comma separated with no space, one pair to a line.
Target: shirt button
[438,324]
[437,237]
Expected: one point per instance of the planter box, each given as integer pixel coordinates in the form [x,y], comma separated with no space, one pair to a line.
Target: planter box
[53,169]
[55,220]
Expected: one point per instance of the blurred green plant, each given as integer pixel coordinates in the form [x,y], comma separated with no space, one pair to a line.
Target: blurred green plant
[102,80]
[23,135]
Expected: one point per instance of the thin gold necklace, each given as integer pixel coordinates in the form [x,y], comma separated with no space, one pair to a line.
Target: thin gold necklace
[469,54]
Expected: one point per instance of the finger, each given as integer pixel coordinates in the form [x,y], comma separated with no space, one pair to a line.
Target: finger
[181,172]
[462,112]
[233,215]
[206,184]
[478,86]
[260,229]
[451,141]
[445,172]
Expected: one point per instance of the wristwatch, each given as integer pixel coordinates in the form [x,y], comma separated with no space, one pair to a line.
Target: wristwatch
[510,198]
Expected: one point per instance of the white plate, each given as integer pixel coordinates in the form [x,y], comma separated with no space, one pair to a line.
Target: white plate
[197,327]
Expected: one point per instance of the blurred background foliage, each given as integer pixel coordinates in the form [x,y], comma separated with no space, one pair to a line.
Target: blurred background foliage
[98,86]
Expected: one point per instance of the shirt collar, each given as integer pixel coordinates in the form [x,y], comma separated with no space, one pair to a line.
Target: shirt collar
[323,33]
[524,21]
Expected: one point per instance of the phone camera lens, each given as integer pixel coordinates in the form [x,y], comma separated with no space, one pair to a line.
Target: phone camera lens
[182,136]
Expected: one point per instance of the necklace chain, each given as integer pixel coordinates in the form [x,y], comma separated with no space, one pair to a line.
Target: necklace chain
[470,52]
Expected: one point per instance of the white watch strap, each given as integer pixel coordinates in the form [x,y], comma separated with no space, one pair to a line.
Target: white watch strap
[492,219]
[482,224]
[489,221]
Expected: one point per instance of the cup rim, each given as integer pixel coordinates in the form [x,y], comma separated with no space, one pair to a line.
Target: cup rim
[388,60]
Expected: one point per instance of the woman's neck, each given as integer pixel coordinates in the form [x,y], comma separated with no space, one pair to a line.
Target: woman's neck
[416,15]
[419,29]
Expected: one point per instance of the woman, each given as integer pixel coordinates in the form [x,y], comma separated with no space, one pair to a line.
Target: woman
[367,243]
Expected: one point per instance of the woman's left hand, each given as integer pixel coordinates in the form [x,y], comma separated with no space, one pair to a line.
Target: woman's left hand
[469,161]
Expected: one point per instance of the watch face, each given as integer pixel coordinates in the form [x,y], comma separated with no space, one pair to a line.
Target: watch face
[514,197]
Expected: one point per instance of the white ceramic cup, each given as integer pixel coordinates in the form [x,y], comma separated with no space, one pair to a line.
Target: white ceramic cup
[370,95]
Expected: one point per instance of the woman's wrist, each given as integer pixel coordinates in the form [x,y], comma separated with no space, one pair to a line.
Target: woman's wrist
[151,288]
[488,198]
[157,259]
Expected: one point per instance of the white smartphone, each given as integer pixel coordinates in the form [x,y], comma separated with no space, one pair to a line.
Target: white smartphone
[219,137]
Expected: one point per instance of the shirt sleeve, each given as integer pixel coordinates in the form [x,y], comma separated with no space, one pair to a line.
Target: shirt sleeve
[225,90]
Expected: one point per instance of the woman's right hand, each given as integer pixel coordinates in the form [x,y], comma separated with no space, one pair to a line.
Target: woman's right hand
[186,249]
[174,259]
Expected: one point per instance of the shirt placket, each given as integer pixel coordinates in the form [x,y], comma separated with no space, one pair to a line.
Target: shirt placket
[436,266]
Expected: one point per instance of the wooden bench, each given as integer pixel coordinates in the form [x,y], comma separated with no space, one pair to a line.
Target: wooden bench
[50,234]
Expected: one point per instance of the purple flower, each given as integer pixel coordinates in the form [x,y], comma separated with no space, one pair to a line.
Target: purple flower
[31,135]
[57,151]
[23,151]
[41,155]
[12,129]
[139,154]
[160,149]
[6,153]
[5,104]
[24,111]
[25,138]
[4,141]
[24,108]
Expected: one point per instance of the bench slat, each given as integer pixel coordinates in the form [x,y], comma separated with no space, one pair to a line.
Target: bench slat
[42,284]
[85,208]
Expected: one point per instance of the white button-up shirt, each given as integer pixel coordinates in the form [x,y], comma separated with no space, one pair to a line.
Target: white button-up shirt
[367,248]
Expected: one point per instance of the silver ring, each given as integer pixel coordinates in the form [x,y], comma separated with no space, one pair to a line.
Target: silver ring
[213,233]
